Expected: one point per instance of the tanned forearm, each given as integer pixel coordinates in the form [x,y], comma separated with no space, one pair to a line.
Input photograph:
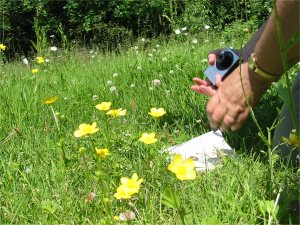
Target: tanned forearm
[267,49]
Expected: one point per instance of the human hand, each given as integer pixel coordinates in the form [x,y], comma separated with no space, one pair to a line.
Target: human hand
[205,87]
[229,106]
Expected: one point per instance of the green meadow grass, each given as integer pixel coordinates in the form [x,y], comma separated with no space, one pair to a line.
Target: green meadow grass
[45,179]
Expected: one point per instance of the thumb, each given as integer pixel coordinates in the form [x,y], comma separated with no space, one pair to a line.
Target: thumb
[218,80]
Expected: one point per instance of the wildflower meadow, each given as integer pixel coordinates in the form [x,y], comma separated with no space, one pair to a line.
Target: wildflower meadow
[84,137]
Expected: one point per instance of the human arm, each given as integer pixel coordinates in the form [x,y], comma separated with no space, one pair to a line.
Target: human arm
[229,105]
[205,87]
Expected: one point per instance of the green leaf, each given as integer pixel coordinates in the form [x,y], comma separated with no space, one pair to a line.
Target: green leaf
[171,199]
[168,203]
[295,39]
[281,91]
[49,206]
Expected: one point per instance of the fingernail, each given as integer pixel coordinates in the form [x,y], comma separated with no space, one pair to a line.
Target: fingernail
[214,128]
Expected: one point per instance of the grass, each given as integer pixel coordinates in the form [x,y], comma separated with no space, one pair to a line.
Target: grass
[45,179]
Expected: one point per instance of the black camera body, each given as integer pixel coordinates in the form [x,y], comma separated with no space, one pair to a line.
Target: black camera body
[225,63]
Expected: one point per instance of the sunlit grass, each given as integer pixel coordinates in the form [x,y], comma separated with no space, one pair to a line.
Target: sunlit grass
[49,174]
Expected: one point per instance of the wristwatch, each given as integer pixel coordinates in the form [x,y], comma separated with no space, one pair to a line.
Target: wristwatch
[255,68]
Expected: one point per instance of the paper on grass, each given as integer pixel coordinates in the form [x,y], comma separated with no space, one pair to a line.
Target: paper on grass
[205,150]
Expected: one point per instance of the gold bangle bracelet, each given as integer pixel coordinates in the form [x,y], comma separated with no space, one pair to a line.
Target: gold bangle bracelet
[255,68]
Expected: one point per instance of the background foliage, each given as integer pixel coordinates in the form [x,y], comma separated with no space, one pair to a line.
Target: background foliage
[113,23]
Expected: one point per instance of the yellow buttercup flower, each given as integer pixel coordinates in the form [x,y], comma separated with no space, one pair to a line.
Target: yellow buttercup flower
[50,100]
[117,112]
[40,60]
[104,106]
[183,169]
[86,129]
[293,139]
[34,71]
[102,152]
[148,138]
[128,187]
[2,47]
[116,218]
[154,112]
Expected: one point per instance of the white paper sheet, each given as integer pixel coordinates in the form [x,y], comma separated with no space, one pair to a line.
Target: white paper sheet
[205,150]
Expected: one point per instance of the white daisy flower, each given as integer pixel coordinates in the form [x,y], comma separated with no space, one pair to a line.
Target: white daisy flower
[53,48]
[177,31]
[206,27]
[156,82]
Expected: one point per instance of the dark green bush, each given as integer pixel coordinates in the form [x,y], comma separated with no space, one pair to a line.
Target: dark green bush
[111,22]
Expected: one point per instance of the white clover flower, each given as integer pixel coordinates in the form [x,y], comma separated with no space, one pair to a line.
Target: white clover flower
[115,74]
[28,170]
[126,134]
[47,60]
[53,48]
[95,97]
[25,61]
[177,31]
[90,197]
[113,89]
[183,29]
[156,82]
[143,39]
[109,82]
[127,216]
[206,27]
[157,46]
[194,41]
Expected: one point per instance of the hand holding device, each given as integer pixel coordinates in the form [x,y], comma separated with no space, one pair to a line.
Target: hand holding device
[225,63]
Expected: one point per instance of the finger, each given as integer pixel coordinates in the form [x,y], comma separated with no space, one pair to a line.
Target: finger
[218,115]
[215,111]
[218,80]
[212,59]
[240,120]
[199,81]
[209,82]
[209,91]
[227,122]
